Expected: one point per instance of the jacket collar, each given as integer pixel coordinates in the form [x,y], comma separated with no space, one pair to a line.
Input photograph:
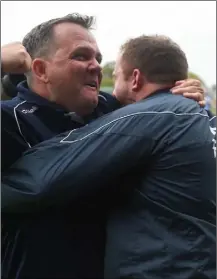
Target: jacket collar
[31,97]
[28,95]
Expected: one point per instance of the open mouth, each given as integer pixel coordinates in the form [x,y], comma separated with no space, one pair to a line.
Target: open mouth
[92,84]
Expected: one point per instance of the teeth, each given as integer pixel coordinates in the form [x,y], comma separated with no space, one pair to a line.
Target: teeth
[92,84]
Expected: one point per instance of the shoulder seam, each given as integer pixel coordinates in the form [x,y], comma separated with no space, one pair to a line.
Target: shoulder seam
[64,140]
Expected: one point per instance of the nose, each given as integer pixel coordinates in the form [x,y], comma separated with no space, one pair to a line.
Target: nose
[95,66]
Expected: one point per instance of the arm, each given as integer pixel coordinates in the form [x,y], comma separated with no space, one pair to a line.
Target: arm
[15,59]
[9,83]
[83,163]
[12,144]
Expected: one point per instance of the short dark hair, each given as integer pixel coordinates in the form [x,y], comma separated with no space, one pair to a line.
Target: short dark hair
[159,58]
[37,41]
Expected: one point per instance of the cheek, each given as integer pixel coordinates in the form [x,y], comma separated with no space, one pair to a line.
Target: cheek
[57,75]
[119,87]
[76,73]
[68,73]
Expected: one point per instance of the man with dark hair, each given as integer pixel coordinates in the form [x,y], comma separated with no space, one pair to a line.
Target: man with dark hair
[61,93]
[163,62]
[154,65]
[154,160]
[53,68]
[65,77]
[62,86]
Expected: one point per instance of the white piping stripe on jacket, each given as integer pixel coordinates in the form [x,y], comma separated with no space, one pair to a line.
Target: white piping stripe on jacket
[212,118]
[102,97]
[130,115]
[18,125]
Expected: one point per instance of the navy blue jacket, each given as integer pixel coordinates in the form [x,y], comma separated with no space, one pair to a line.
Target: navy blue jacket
[29,119]
[64,243]
[153,165]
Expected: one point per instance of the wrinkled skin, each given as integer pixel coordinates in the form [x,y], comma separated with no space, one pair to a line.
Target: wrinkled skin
[73,64]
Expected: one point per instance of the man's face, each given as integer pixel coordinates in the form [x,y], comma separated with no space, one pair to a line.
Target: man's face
[122,90]
[74,72]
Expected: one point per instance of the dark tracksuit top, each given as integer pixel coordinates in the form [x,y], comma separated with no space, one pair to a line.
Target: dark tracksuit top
[61,243]
[152,165]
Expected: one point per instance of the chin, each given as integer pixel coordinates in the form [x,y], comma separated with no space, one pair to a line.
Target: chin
[92,99]
[94,103]
[89,106]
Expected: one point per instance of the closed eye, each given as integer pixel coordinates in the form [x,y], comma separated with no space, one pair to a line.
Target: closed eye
[85,53]
[80,57]
[85,57]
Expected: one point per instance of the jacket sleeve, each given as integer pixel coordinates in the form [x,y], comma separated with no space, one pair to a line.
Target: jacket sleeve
[210,114]
[12,144]
[70,167]
[9,83]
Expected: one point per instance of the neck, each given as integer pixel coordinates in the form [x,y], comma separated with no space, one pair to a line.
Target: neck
[40,90]
[149,89]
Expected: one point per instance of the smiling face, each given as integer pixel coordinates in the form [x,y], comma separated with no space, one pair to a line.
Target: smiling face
[73,72]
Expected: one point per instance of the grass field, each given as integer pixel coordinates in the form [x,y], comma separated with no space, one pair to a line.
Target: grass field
[107,89]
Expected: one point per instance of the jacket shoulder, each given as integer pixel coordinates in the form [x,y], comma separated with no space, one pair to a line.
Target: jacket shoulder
[11,104]
[107,103]
[109,100]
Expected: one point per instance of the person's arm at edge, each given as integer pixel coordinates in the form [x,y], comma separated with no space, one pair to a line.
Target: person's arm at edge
[47,177]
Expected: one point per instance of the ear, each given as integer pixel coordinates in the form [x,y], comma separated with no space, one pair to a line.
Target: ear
[39,68]
[137,80]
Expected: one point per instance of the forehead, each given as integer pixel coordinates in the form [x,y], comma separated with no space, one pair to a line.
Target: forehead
[69,36]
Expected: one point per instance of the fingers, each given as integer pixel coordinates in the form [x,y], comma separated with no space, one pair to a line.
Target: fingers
[28,62]
[179,82]
[195,96]
[190,88]
[15,58]
[188,82]
[202,103]
[25,62]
